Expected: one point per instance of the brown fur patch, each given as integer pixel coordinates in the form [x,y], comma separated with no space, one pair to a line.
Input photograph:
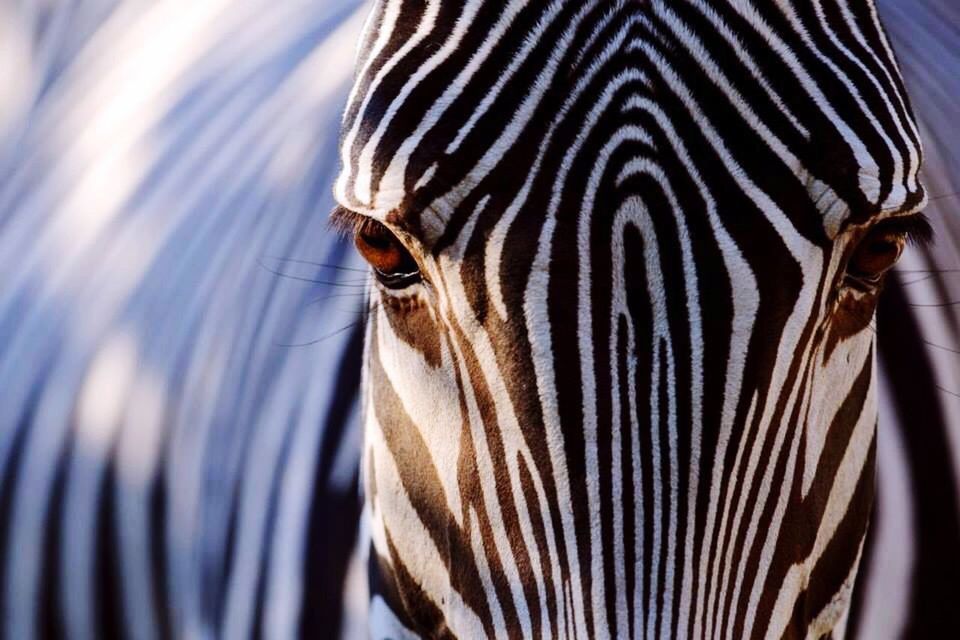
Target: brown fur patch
[411,320]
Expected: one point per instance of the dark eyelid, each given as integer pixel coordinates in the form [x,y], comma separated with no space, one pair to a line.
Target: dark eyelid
[916,227]
[346,222]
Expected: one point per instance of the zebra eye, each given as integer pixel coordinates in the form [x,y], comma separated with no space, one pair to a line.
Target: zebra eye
[875,255]
[392,264]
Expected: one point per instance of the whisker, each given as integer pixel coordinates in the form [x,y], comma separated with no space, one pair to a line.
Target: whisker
[936,346]
[322,338]
[362,312]
[357,284]
[333,296]
[930,271]
[940,346]
[363,315]
[948,392]
[935,306]
[322,265]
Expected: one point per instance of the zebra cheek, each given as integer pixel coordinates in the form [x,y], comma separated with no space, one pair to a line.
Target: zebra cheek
[411,321]
[853,314]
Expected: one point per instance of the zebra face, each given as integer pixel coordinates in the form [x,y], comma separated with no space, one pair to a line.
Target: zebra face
[620,356]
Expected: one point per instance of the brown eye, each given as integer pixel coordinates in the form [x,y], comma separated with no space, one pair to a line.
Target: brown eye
[393,265]
[876,254]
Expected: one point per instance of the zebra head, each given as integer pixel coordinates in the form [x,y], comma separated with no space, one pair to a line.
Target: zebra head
[620,358]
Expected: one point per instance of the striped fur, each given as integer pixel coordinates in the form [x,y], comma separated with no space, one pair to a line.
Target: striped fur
[635,393]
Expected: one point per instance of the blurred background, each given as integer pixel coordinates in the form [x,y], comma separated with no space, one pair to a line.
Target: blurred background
[180,331]
[177,441]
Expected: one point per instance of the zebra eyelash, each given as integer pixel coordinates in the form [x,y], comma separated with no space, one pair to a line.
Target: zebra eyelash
[916,228]
[345,222]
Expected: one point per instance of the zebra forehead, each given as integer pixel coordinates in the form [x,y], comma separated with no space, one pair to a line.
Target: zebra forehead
[435,78]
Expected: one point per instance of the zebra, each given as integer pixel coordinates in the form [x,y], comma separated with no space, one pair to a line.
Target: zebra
[620,367]
[226,508]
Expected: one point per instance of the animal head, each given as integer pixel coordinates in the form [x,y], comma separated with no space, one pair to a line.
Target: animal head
[620,355]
